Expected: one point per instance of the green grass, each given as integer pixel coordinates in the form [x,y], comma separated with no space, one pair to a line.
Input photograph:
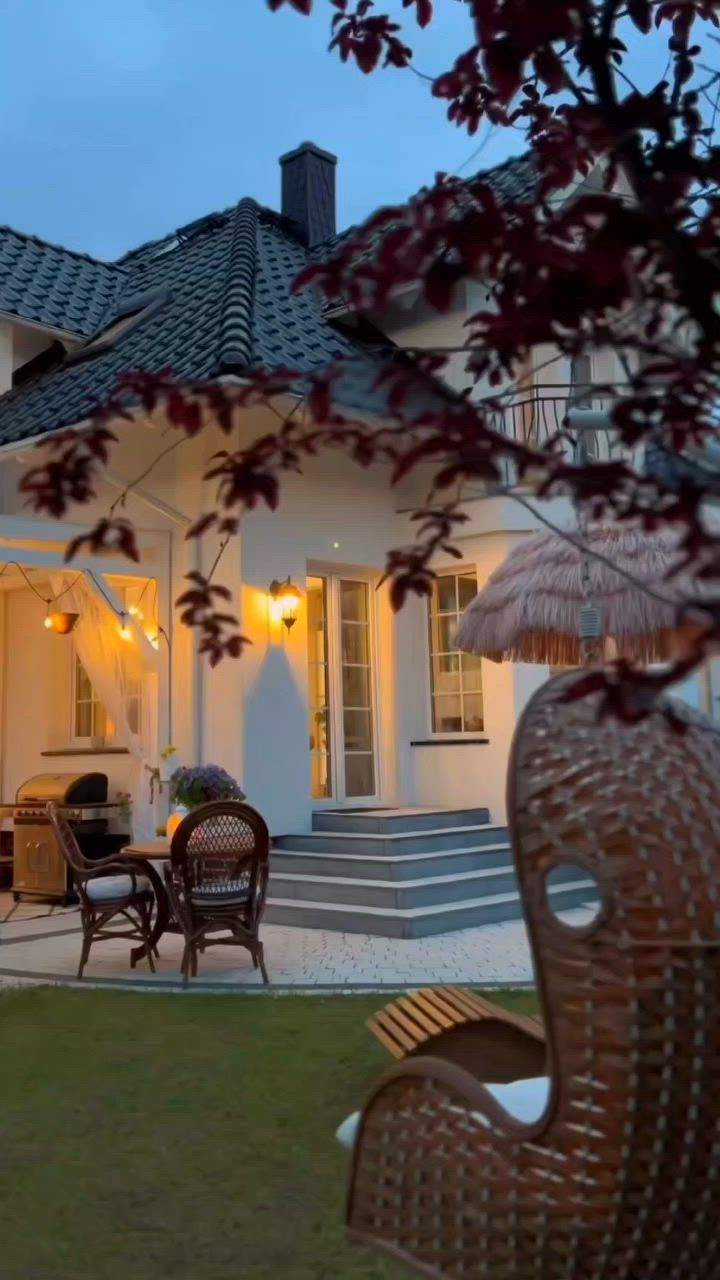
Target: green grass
[148,1136]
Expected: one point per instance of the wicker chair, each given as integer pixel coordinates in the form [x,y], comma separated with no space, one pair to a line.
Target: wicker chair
[108,889]
[217,880]
[619,1176]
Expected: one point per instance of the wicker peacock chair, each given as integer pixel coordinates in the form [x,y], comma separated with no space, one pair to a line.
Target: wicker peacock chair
[619,1177]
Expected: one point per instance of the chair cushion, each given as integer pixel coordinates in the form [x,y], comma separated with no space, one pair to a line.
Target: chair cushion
[221,893]
[522,1099]
[115,888]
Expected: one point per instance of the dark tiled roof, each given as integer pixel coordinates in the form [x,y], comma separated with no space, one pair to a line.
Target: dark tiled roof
[53,286]
[515,179]
[225,306]
[228,307]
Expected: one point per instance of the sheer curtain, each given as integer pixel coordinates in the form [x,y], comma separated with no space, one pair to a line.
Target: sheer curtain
[118,671]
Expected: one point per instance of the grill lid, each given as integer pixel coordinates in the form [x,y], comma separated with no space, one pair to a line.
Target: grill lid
[64,788]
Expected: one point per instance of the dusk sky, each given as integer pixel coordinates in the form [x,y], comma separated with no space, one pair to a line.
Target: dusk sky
[123,119]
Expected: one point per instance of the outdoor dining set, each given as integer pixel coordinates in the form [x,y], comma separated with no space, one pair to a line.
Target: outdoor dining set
[211,888]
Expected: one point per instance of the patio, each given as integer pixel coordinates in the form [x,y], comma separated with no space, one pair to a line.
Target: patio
[40,944]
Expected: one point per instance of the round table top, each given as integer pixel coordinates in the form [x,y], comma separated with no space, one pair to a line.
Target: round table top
[152,849]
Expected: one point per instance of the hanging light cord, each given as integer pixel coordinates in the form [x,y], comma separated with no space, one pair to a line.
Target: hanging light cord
[47,600]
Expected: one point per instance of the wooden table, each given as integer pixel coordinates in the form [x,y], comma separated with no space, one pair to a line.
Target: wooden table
[144,855]
[153,849]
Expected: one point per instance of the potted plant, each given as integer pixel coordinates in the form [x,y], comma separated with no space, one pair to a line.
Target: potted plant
[196,785]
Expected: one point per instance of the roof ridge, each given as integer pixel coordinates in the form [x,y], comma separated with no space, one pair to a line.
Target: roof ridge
[236,329]
[61,248]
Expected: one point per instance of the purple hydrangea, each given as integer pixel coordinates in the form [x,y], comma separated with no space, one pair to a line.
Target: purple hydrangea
[203,783]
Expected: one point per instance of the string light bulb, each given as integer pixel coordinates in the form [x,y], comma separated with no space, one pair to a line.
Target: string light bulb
[47,621]
[124,631]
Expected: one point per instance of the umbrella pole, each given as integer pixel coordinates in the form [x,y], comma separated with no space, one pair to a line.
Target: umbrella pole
[591,630]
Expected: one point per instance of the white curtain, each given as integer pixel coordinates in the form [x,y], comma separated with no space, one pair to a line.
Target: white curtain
[118,671]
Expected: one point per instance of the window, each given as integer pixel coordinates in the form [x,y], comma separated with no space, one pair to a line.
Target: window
[127,315]
[455,678]
[90,719]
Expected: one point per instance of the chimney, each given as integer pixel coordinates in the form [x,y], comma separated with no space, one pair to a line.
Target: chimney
[308,192]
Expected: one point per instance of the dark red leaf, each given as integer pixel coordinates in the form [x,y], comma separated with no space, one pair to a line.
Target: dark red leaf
[423,10]
[302,6]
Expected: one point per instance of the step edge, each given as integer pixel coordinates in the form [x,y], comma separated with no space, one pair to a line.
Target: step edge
[386,859]
[384,835]
[403,913]
[424,882]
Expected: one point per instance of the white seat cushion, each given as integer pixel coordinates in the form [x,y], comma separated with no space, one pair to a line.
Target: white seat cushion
[221,893]
[522,1099]
[116,888]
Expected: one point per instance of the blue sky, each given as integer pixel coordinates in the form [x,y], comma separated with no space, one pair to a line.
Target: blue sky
[123,119]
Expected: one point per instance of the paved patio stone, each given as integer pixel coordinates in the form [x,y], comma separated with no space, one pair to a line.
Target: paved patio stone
[48,950]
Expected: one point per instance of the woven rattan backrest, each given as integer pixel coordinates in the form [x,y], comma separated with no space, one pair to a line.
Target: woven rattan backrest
[69,846]
[631,1002]
[224,842]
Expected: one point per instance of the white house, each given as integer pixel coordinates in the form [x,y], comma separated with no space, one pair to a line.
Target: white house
[353,706]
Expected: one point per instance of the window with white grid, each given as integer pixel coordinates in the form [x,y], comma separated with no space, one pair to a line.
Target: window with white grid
[455,678]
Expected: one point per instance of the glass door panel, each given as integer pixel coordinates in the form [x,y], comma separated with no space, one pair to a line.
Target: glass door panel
[341,689]
[357,690]
[319,689]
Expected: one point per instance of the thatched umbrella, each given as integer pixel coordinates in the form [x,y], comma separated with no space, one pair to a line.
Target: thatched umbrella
[531,607]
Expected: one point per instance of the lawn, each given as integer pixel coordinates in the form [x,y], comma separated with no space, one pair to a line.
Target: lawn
[148,1136]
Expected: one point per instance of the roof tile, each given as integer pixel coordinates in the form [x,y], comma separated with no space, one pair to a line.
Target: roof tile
[229,306]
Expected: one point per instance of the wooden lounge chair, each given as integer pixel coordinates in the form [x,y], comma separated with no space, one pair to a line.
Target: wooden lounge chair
[109,889]
[217,880]
[460,1026]
[616,1176]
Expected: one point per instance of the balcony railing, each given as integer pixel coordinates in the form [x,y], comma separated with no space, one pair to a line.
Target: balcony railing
[540,415]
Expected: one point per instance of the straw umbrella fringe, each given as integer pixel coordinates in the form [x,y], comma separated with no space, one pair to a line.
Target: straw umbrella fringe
[529,610]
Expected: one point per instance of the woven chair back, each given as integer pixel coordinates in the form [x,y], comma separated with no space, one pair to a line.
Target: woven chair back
[67,842]
[224,843]
[620,1177]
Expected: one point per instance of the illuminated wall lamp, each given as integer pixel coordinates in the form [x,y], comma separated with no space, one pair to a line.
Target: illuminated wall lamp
[285,602]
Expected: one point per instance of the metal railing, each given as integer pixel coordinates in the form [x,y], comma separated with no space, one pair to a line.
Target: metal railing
[539,417]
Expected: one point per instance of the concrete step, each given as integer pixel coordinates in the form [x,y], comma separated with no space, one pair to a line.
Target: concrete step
[409,866]
[396,844]
[398,895]
[416,922]
[390,821]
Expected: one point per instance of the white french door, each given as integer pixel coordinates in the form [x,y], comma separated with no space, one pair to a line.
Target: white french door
[341,679]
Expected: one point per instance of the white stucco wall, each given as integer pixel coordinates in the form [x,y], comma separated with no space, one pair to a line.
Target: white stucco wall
[334,518]
[251,715]
[471,773]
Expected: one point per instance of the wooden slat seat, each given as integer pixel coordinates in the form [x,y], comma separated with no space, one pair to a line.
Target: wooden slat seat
[457,1024]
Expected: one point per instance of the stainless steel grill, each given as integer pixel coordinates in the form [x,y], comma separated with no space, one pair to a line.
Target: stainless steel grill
[39,869]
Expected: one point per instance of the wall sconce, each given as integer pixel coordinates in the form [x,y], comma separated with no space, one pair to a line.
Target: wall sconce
[62,623]
[285,602]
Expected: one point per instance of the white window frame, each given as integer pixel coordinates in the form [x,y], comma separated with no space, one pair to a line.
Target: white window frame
[108,739]
[449,571]
[76,738]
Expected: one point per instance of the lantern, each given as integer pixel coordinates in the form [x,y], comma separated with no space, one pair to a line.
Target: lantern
[285,602]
